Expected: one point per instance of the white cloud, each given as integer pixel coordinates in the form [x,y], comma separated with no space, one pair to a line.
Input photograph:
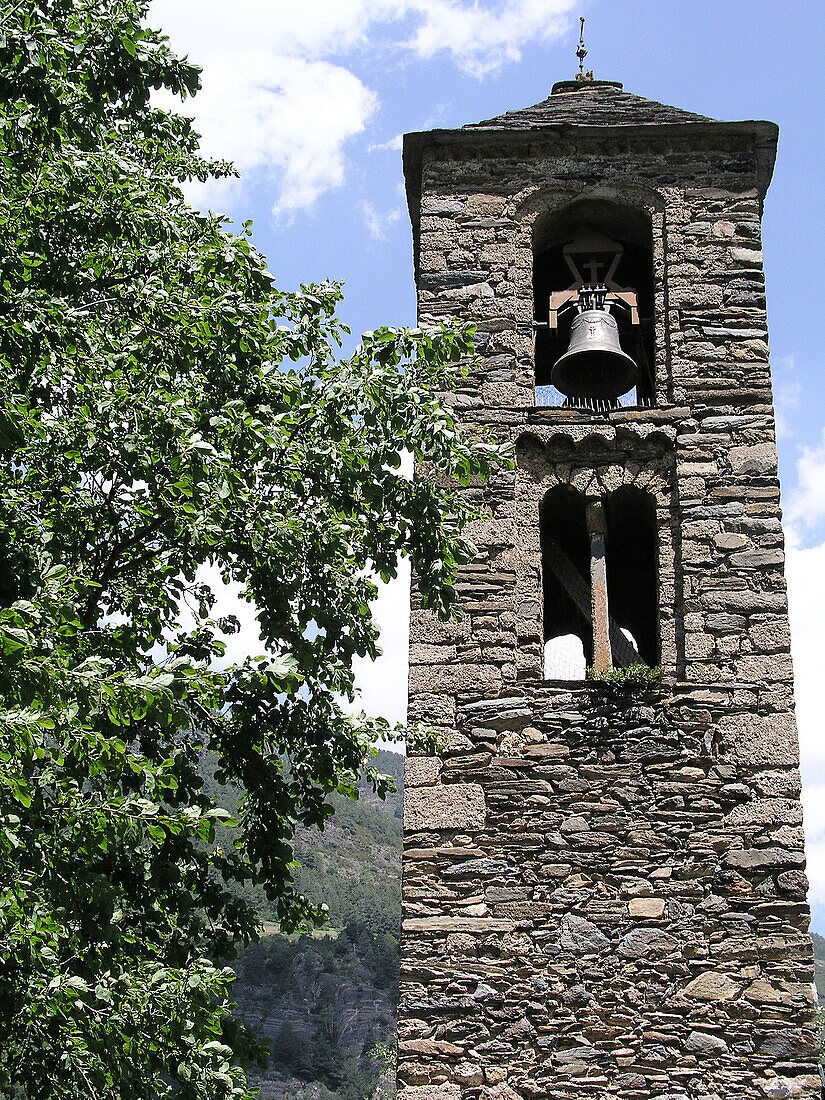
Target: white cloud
[271,101]
[286,117]
[813,798]
[378,224]
[806,502]
[394,144]
[276,98]
[383,683]
[787,387]
[482,38]
[229,600]
[208,29]
[805,571]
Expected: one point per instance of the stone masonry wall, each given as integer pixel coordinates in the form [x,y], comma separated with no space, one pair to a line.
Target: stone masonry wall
[609,902]
[605,896]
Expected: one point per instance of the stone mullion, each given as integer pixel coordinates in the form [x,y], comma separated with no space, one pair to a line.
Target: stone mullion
[599,611]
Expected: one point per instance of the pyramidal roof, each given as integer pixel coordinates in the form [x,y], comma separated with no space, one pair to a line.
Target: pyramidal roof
[589,103]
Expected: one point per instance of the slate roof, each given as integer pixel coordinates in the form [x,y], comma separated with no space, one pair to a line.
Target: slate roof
[589,103]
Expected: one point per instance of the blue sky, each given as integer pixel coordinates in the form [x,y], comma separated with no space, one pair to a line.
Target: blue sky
[310,97]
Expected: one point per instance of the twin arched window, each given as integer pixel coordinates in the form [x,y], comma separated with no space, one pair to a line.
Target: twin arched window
[600,580]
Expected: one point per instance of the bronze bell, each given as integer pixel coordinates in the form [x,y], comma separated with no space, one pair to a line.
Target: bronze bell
[594,364]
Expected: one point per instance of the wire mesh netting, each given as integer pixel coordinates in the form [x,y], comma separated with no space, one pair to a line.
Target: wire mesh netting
[564,658]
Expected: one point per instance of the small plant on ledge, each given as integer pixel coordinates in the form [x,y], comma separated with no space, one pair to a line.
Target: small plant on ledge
[632,679]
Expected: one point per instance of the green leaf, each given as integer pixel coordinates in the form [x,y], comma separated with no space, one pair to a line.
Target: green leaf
[172,424]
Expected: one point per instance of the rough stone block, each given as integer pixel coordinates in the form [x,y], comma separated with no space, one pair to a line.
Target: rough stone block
[757,559]
[763,993]
[644,943]
[581,937]
[795,883]
[700,1042]
[712,986]
[501,1091]
[576,824]
[765,668]
[427,628]
[455,677]
[699,646]
[761,458]
[421,771]
[437,709]
[430,1048]
[772,636]
[652,908]
[484,926]
[748,257]
[444,806]
[430,1092]
[421,654]
[764,859]
[767,811]
[697,469]
[453,742]
[473,291]
[756,739]
[730,540]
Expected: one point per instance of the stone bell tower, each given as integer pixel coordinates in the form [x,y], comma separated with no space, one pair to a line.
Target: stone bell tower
[603,882]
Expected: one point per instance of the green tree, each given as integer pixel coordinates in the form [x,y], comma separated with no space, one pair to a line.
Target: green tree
[291,1051]
[165,407]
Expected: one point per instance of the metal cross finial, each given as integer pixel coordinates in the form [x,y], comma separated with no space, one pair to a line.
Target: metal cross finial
[581,52]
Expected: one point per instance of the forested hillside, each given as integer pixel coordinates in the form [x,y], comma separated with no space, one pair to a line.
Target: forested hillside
[324,1001]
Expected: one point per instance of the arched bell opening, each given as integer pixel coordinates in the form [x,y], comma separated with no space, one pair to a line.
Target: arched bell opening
[631,552]
[565,556]
[594,243]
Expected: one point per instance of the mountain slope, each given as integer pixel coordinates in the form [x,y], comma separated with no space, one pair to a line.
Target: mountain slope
[324,1001]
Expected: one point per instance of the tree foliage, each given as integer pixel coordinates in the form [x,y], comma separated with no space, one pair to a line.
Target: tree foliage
[169,421]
